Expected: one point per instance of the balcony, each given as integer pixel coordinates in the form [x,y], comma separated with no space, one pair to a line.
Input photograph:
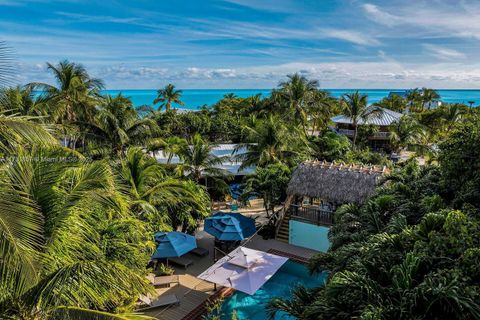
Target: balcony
[313,215]
[378,135]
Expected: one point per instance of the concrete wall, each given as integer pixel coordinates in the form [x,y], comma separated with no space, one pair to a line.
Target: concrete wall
[308,236]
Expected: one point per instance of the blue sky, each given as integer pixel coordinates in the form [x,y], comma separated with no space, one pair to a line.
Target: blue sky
[249,43]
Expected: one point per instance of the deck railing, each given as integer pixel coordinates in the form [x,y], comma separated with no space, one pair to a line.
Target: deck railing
[376,135]
[311,215]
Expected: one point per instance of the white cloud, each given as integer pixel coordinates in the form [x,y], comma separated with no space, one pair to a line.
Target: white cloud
[268,5]
[354,37]
[440,19]
[382,17]
[443,53]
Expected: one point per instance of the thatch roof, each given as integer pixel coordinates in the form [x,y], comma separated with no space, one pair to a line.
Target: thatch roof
[338,183]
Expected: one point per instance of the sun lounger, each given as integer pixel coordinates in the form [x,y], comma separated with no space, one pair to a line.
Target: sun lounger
[165,281]
[162,301]
[201,252]
[181,261]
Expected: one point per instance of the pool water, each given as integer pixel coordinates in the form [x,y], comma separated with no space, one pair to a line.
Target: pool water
[280,285]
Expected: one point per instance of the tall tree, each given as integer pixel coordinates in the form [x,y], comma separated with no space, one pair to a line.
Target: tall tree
[428,97]
[72,100]
[55,254]
[393,102]
[198,160]
[117,125]
[268,183]
[167,96]
[75,95]
[355,106]
[154,193]
[321,109]
[269,141]
[404,133]
[297,93]
[21,101]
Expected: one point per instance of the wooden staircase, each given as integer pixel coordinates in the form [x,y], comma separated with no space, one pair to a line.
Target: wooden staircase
[283,226]
[283,231]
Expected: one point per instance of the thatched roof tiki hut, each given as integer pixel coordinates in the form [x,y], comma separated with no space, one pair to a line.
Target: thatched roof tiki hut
[317,188]
[334,183]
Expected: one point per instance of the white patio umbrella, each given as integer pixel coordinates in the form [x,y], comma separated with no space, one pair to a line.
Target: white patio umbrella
[244,269]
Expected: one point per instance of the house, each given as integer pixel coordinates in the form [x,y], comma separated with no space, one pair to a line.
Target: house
[315,190]
[380,140]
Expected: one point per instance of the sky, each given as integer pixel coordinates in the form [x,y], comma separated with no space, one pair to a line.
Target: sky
[146,44]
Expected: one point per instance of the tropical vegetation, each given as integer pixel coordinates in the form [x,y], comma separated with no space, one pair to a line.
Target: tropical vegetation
[82,192]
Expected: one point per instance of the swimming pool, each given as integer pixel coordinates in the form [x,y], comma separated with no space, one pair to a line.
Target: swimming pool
[280,284]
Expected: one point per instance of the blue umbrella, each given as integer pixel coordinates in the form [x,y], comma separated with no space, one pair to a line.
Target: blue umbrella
[229,226]
[173,244]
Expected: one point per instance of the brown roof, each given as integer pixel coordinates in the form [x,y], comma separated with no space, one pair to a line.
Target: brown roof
[338,183]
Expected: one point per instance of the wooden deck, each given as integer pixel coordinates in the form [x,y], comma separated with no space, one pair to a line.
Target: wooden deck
[191,291]
[194,292]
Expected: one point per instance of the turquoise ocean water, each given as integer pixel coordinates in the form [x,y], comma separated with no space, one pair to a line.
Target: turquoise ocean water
[195,98]
[279,285]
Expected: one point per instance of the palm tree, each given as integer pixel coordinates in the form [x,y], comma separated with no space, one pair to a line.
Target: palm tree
[413,98]
[55,258]
[404,133]
[321,109]
[296,93]
[297,306]
[428,96]
[167,96]
[76,93]
[6,66]
[170,146]
[393,102]
[198,160]
[117,125]
[17,131]
[270,141]
[152,189]
[355,107]
[71,103]
[21,101]
[452,113]
[419,99]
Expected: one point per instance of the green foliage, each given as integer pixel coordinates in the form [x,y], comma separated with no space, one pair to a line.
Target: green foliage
[167,96]
[270,141]
[330,146]
[460,165]
[76,220]
[406,253]
[269,183]
[393,102]
[355,106]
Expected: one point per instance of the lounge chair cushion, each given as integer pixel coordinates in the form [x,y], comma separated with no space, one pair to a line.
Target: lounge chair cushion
[201,252]
[181,261]
[165,280]
[162,301]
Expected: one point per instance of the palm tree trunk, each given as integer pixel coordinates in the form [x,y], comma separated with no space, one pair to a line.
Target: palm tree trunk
[265,205]
[355,132]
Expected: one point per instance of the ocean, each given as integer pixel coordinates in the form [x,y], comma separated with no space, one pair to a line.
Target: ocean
[196,98]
